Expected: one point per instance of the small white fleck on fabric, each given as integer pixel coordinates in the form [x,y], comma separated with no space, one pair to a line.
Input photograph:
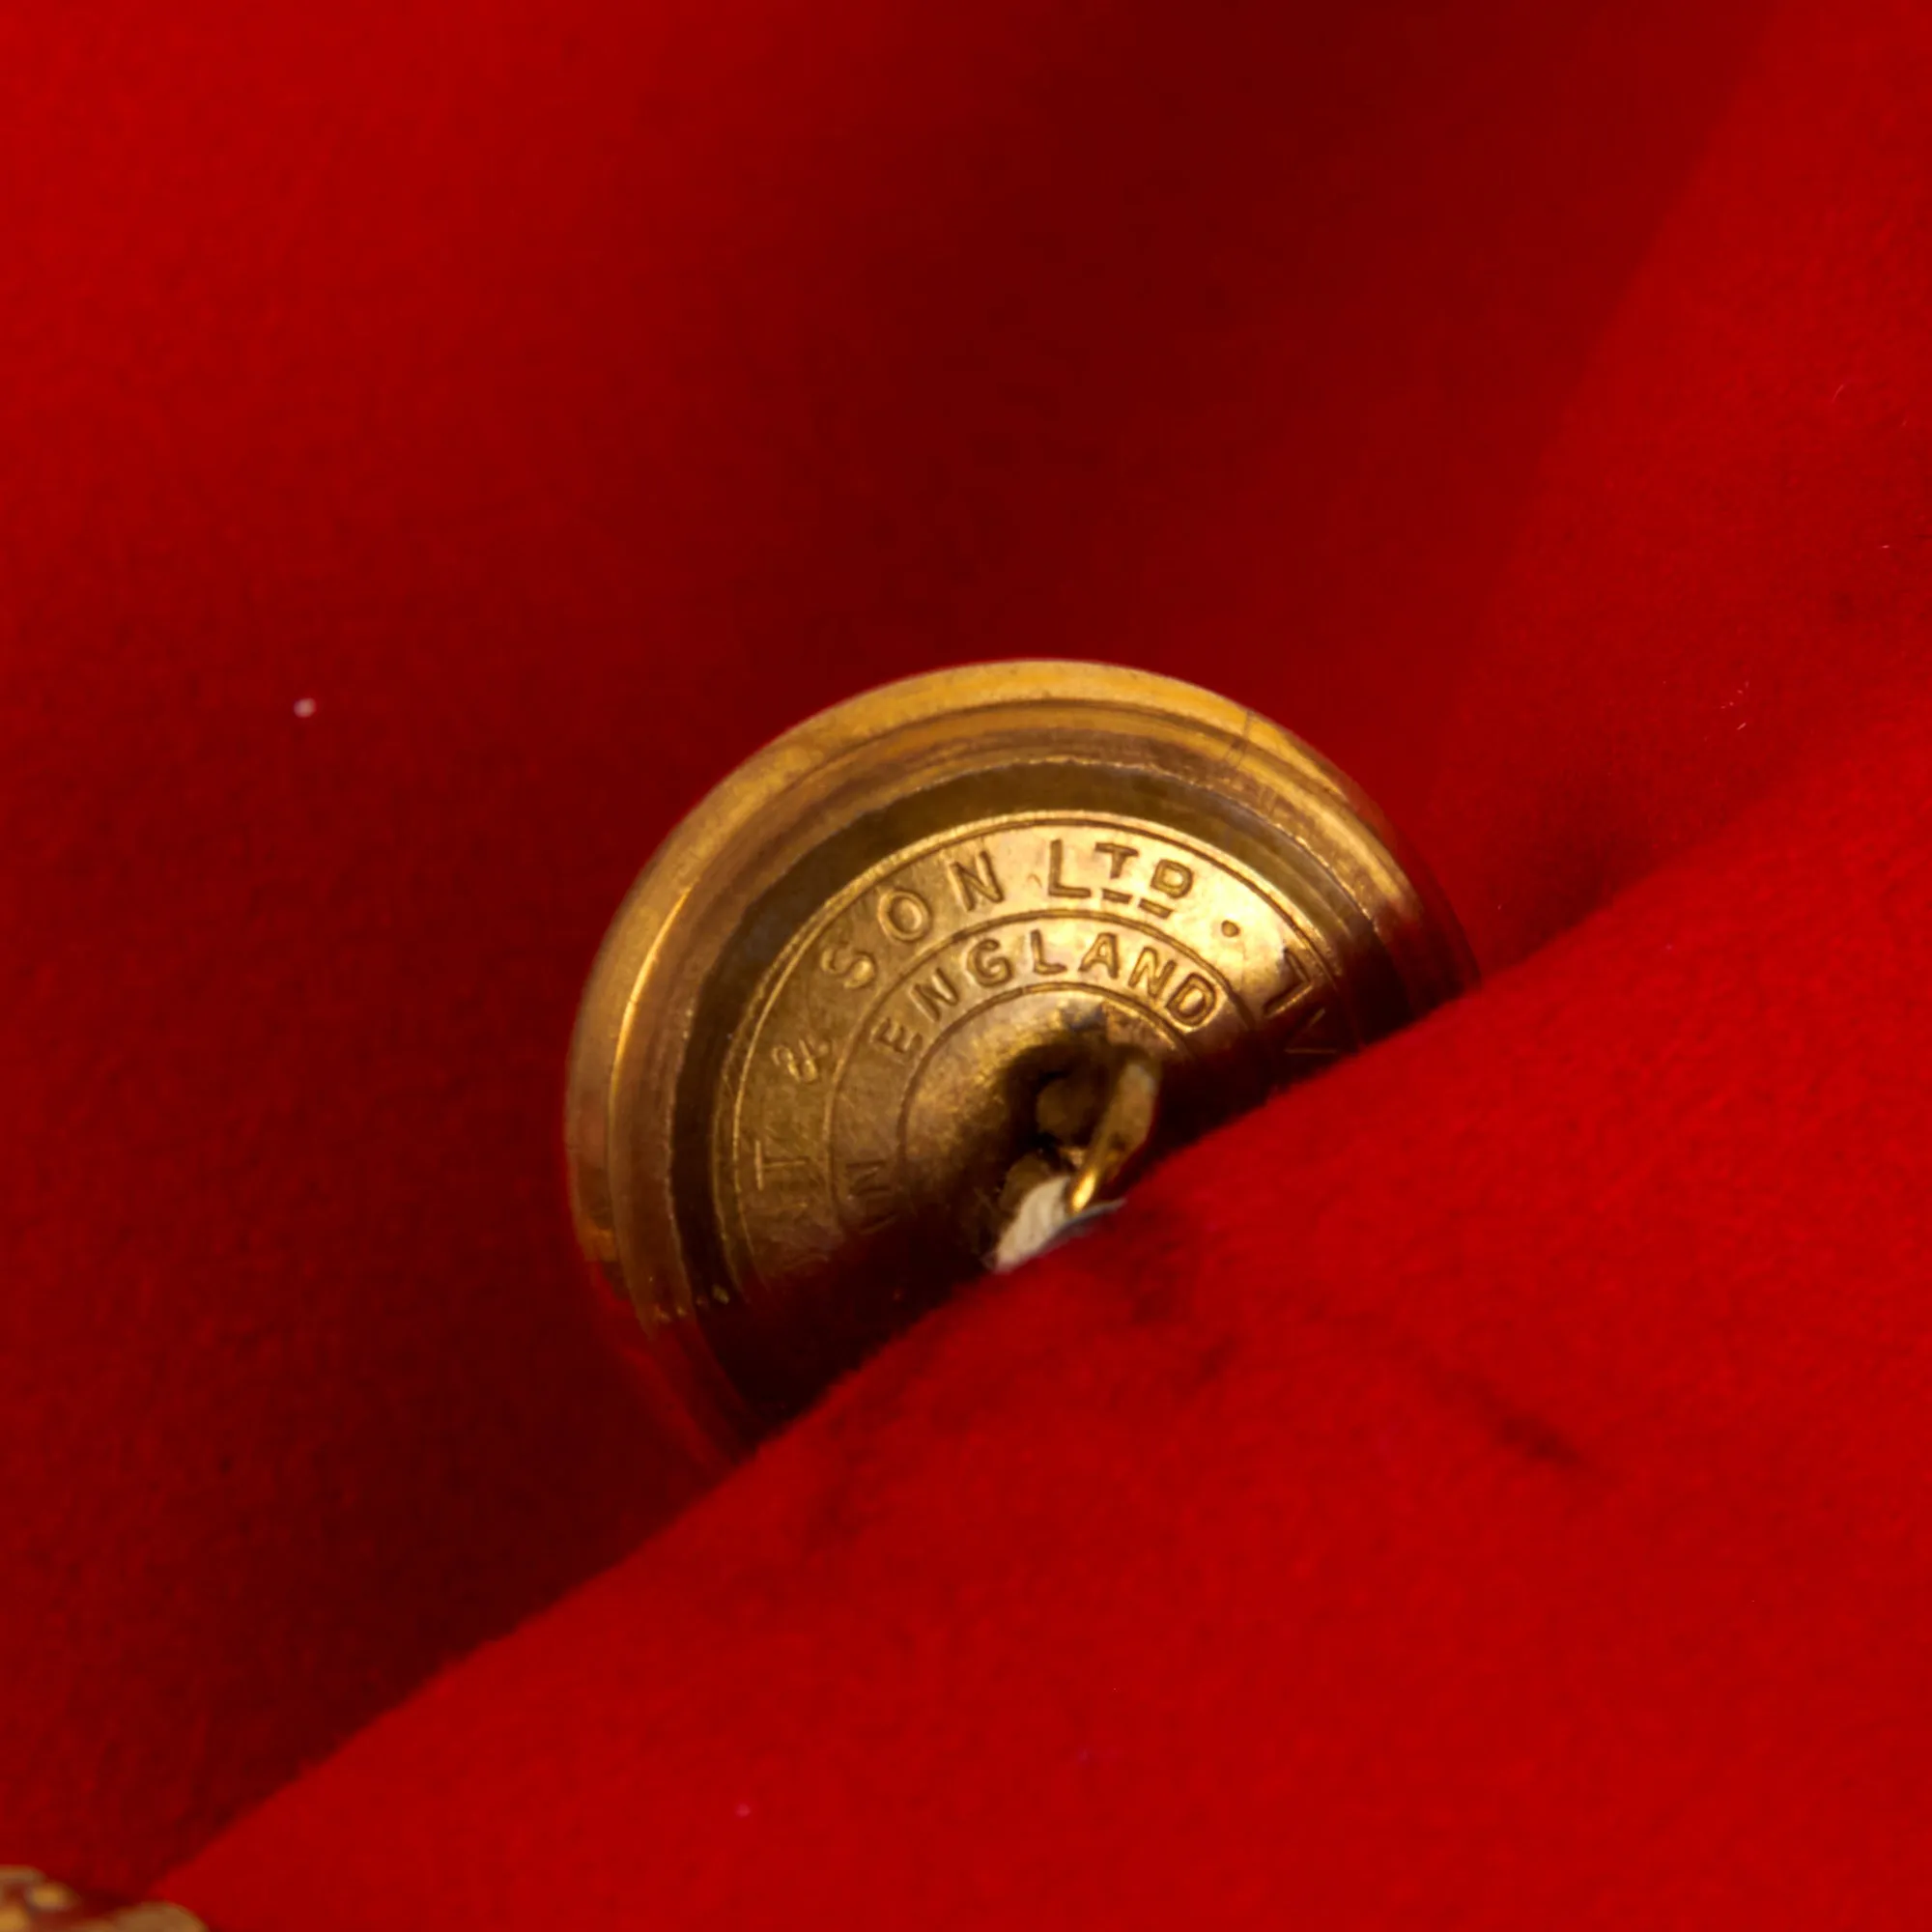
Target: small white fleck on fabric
[305,707]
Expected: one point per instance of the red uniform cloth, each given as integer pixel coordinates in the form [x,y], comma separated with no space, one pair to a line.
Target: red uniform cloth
[436,440]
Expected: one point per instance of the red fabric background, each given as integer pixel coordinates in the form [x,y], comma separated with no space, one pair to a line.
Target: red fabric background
[1487,1484]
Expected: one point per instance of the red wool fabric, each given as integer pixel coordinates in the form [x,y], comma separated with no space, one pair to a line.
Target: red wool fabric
[437,441]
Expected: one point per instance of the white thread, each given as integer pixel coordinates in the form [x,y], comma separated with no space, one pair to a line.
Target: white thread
[1042,1222]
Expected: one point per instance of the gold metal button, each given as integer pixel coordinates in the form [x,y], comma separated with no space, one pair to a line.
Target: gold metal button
[32,1902]
[932,948]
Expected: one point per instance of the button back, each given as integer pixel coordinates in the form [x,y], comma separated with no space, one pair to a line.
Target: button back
[885,965]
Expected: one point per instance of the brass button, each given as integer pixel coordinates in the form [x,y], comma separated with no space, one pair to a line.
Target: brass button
[936,944]
[32,1902]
